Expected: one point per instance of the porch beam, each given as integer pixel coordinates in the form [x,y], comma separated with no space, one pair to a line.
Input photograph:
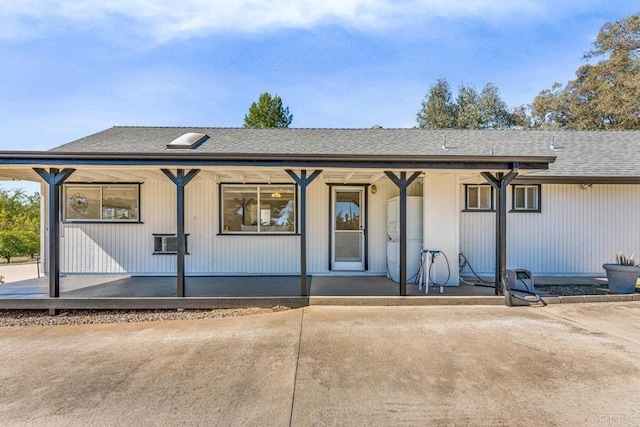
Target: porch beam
[15,175]
[263,176]
[115,176]
[236,177]
[180,179]
[303,181]
[499,182]
[91,176]
[348,176]
[402,182]
[208,175]
[150,175]
[376,177]
[102,175]
[54,178]
[267,160]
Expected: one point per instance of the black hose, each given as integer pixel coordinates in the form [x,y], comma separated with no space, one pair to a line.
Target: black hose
[415,276]
[524,291]
[476,274]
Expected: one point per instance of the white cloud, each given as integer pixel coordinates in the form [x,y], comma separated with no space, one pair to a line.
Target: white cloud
[171,19]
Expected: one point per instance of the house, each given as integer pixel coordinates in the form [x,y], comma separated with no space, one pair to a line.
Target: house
[169,201]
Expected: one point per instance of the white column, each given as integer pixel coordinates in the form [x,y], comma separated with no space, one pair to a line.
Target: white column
[441,223]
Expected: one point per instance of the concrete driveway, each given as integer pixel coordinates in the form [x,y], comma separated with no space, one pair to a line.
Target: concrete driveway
[575,364]
[18,272]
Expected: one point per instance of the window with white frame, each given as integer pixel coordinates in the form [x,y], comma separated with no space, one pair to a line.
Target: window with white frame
[258,208]
[478,197]
[102,202]
[526,198]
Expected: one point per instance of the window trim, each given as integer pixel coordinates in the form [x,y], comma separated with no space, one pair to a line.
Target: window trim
[296,208]
[164,235]
[63,205]
[538,198]
[466,199]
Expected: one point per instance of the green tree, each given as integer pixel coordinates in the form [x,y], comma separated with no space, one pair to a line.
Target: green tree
[19,223]
[438,110]
[30,243]
[14,243]
[468,111]
[494,113]
[471,110]
[521,117]
[605,95]
[19,210]
[268,112]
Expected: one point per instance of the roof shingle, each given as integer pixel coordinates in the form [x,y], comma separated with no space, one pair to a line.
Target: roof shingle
[578,153]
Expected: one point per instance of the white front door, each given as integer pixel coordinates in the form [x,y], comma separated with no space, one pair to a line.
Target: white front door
[347,222]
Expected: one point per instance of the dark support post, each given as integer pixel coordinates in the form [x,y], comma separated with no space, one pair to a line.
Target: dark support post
[500,182]
[54,178]
[303,181]
[180,179]
[402,182]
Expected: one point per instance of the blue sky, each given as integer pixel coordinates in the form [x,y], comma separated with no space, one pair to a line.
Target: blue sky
[70,68]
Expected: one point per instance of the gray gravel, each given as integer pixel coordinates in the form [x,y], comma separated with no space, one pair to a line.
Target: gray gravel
[569,290]
[11,318]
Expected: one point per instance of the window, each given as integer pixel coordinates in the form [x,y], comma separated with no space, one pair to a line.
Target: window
[258,208]
[102,202]
[167,244]
[526,198]
[479,197]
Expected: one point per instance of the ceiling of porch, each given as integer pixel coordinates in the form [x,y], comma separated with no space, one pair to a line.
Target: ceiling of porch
[222,174]
[231,174]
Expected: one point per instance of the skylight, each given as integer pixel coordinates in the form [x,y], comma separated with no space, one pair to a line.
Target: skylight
[189,140]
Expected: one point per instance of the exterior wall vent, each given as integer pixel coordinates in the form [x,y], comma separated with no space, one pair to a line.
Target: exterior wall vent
[189,140]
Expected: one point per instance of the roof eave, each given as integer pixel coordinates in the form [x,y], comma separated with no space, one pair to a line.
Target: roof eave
[533,179]
[271,159]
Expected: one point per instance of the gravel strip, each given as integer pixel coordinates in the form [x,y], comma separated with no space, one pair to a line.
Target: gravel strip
[570,290]
[12,318]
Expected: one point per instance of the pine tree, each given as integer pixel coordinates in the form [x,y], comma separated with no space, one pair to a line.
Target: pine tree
[471,110]
[268,113]
[438,111]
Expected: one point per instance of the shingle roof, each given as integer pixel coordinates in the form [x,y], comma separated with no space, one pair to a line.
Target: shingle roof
[583,153]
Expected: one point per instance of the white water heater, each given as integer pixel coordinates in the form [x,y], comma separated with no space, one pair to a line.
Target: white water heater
[414,237]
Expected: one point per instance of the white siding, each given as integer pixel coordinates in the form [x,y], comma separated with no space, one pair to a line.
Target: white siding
[378,222]
[212,253]
[576,232]
[123,248]
[127,248]
[318,225]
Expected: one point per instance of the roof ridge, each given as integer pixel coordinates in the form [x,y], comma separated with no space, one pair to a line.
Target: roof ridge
[567,131]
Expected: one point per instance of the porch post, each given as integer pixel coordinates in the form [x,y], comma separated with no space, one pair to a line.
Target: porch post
[500,182]
[303,181]
[402,182]
[180,180]
[54,178]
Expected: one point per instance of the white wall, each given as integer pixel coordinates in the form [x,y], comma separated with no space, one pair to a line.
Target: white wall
[127,248]
[576,232]
[442,223]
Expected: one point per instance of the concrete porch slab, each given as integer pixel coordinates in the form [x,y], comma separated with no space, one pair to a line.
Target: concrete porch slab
[117,292]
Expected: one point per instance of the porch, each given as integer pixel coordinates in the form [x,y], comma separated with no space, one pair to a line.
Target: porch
[117,292]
